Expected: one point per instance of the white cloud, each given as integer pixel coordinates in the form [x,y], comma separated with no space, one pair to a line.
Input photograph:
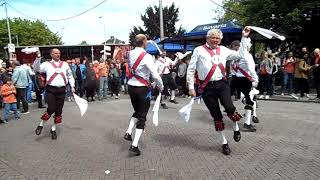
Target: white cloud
[120,16]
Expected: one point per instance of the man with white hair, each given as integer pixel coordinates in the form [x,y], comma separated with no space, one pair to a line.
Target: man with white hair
[246,78]
[209,60]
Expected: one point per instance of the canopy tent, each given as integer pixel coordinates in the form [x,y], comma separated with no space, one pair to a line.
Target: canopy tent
[225,27]
[169,47]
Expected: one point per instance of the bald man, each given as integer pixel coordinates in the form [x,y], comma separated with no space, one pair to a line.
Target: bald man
[58,75]
[142,67]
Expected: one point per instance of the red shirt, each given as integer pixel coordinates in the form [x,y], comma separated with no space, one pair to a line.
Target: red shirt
[288,65]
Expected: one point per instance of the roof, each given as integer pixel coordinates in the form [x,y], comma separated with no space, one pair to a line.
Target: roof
[225,27]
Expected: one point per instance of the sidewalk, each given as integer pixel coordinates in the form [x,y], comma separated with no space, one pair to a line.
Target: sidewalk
[288,98]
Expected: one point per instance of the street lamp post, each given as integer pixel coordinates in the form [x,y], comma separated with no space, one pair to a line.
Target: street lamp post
[104,37]
[161,20]
[8,24]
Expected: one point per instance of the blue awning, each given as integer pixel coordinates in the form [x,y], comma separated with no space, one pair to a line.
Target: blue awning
[169,47]
[225,27]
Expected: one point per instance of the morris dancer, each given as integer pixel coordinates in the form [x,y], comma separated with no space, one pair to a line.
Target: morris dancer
[58,75]
[164,63]
[209,61]
[246,78]
[142,67]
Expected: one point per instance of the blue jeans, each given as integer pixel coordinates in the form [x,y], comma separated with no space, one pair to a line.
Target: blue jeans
[103,88]
[287,82]
[69,90]
[7,108]
[29,93]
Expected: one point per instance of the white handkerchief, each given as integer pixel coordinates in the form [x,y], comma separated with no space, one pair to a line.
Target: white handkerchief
[82,104]
[267,33]
[155,110]
[185,111]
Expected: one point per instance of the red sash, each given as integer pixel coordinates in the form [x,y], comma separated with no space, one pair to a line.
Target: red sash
[56,73]
[238,68]
[164,67]
[213,68]
[134,67]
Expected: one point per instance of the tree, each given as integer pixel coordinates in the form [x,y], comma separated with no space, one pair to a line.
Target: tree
[28,32]
[151,22]
[294,18]
[83,43]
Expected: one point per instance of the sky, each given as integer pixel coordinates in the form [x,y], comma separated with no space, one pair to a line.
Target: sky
[118,16]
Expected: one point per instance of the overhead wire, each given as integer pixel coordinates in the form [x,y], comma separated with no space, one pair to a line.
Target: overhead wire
[224,8]
[62,19]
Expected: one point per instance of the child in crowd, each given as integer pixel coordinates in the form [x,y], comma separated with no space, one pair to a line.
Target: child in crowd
[8,92]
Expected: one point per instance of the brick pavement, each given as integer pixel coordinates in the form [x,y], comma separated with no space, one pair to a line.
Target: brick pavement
[285,146]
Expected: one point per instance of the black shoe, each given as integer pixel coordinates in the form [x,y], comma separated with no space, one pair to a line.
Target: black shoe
[41,107]
[38,130]
[225,149]
[174,101]
[249,128]
[255,119]
[164,106]
[127,137]
[53,134]
[236,136]
[134,151]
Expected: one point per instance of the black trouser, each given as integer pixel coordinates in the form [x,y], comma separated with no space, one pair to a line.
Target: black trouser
[21,96]
[56,97]
[79,87]
[39,97]
[168,83]
[244,85]
[140,103]
[115,85]
[183,81]
[302,85]
[265,84]
[217,91]
[233,86]
[317,86]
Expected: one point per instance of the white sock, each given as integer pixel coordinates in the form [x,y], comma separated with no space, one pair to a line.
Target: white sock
[53,128]
[223,138]
[247,117]
[41,123]
[133,121]
[137,137]
[173,93]
[235,126]
[254,112]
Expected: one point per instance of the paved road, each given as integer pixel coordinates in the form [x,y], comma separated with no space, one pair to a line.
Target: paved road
[285,146]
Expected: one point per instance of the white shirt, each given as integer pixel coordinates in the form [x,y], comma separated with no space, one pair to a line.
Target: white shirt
[247,64]
[201,61]
[46,67]
[144,69]
[164,64]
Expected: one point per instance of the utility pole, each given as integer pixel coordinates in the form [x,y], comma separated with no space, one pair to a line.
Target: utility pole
[161,20]
[8,24]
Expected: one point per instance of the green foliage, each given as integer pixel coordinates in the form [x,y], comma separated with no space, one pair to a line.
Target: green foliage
[28,32]
[151,22]
[83,43]
[294,18]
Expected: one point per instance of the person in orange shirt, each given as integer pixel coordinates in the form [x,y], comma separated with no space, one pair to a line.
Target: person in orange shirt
[103,80]
[8,92]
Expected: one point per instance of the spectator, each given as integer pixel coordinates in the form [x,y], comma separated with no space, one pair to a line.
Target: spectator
[301,77]
[21,81]
[30,86]
[265,72]
[115,80]
[316,71]
[288,66]
[103,80]
[91,83]
[8,92]
[124,75]
[80,76]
